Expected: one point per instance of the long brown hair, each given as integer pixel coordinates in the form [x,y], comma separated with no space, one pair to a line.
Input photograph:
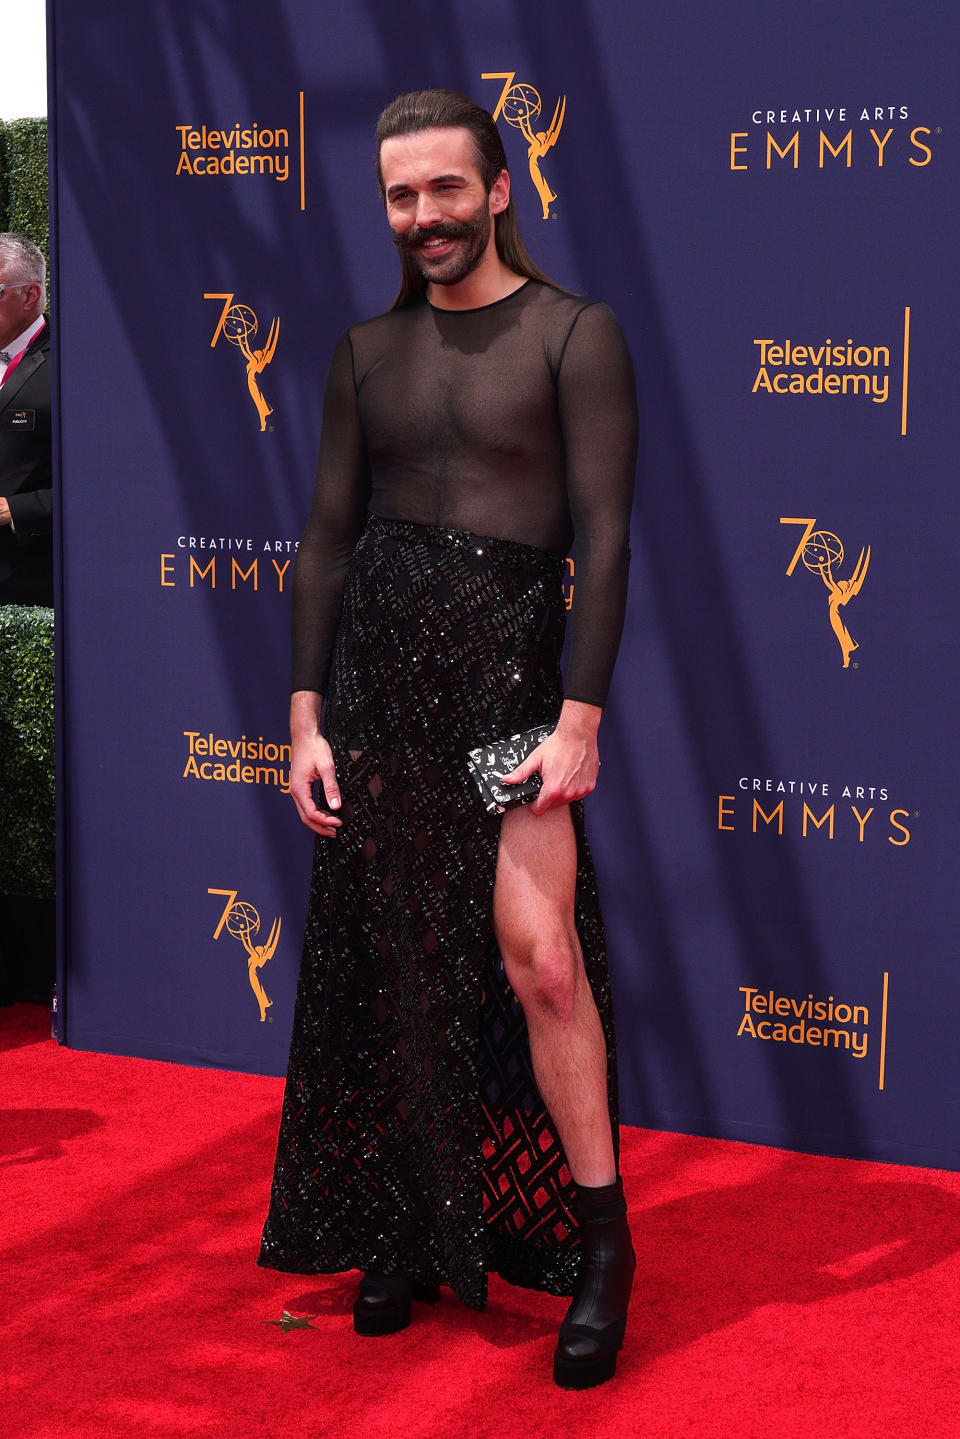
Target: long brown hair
[448,110]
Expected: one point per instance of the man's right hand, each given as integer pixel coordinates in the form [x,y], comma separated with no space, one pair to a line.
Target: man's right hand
[312,760]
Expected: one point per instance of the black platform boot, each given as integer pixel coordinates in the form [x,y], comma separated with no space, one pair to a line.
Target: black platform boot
[591,1335]
[382,1305]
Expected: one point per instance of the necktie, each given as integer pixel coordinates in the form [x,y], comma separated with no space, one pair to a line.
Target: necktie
[11,365]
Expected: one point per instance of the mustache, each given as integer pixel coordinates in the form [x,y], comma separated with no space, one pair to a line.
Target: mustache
[446,230]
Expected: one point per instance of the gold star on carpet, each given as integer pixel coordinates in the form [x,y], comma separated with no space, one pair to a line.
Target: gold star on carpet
[288,1321]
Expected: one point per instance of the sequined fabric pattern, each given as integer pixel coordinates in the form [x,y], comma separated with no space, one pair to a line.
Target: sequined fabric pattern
[413,1139]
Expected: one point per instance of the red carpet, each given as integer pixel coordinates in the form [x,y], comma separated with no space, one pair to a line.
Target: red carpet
[777,1294]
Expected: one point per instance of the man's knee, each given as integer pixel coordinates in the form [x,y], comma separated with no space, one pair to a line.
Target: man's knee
[544,970]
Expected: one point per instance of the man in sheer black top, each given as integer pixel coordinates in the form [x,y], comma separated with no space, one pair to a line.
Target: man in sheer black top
[489,401]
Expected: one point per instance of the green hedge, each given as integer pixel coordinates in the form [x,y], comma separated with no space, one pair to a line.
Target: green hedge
[4,184]
[26,634]
[23,181]
[26,751]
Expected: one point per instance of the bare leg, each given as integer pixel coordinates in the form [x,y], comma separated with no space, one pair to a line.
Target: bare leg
[533,919]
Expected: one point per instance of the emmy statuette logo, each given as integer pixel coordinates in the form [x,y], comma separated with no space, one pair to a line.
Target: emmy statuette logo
[822,554]
[241,920]
[240,326]
[521,106]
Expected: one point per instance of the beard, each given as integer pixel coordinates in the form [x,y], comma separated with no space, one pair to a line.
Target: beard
[473,236]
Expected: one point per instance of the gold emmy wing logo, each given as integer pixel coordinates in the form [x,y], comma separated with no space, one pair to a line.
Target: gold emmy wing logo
[822,554]
[240,325]
[242,921]
[520,106]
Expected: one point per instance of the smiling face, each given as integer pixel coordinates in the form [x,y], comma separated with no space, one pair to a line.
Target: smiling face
[439,212]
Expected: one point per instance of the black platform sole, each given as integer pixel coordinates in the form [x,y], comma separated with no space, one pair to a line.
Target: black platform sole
[583,1373]
[375,1320]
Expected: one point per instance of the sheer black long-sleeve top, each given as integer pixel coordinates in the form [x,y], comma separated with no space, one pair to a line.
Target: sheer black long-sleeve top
[516,420]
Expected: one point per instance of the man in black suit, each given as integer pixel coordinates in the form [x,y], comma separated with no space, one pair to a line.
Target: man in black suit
[26,546]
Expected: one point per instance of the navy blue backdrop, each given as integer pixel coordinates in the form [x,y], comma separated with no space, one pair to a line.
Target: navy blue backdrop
[768,201]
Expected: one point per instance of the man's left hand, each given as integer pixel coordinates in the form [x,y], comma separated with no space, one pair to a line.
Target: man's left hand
[567,760]
[5,517]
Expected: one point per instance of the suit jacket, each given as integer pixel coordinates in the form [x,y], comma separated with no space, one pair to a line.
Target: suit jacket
[26,550]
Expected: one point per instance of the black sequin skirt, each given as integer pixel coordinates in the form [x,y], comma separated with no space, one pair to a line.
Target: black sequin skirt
[413,1139]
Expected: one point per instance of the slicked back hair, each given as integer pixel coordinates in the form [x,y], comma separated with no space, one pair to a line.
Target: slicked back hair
[449,110]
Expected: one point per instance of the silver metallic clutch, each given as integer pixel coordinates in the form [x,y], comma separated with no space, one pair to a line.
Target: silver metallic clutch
[491,762]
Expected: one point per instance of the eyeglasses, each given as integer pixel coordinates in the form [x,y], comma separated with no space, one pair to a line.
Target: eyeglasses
[16,285]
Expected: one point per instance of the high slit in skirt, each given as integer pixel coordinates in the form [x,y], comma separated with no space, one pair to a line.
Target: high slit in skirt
[413,1139]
